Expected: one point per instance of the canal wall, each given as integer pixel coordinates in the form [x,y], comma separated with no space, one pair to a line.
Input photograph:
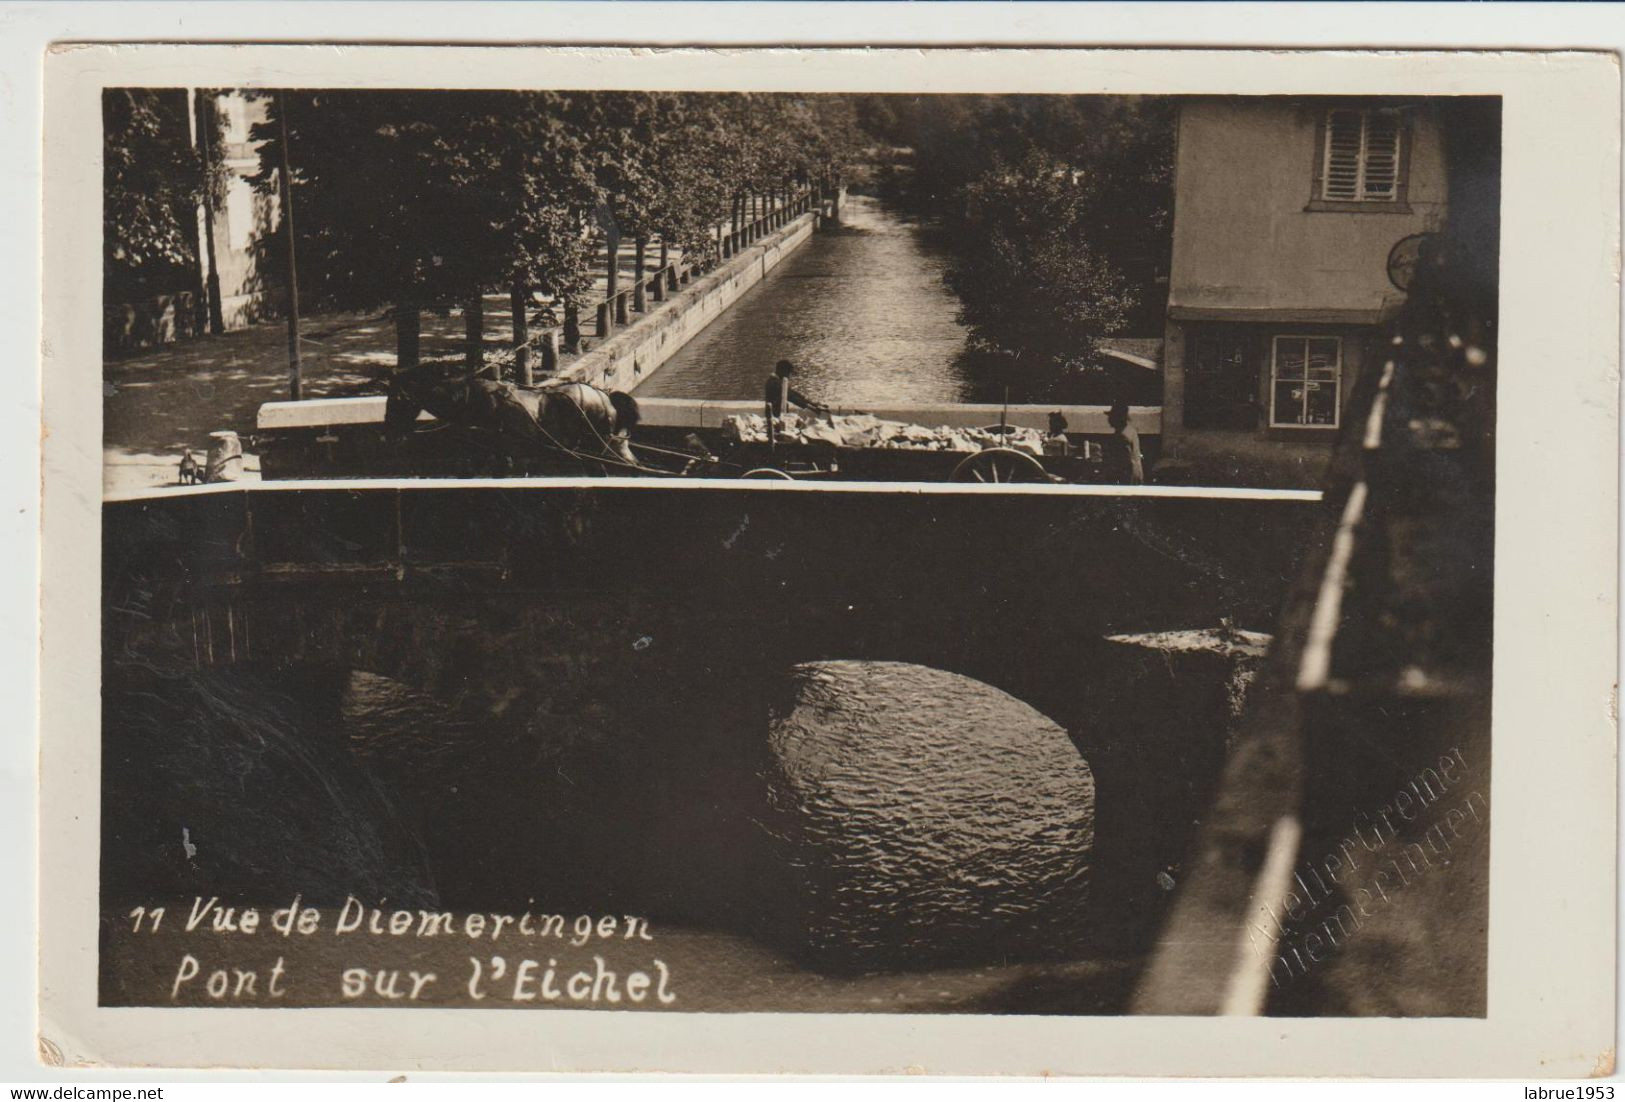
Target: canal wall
[630,357]
[620,362]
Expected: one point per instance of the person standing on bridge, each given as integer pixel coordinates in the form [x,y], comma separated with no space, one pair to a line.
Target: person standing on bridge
[1121,451]
[778,394]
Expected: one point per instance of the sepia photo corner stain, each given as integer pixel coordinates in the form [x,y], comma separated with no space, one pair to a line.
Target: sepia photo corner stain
[50,1053]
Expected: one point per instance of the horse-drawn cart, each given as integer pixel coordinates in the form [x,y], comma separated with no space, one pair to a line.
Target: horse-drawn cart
[864,449]
[454,450]
[441,424]
[867,464]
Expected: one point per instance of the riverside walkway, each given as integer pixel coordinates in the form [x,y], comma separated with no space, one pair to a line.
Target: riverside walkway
[161,401]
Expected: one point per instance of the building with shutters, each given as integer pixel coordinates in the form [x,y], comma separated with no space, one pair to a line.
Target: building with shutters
[1294,220]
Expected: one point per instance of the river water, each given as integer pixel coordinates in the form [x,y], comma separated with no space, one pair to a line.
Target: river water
[860,309]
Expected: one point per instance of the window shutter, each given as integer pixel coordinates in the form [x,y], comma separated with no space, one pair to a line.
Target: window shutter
[1381,156]
[1344,140]
[1362,156]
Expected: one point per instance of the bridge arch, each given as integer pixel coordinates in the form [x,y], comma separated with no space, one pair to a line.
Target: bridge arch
[631,644]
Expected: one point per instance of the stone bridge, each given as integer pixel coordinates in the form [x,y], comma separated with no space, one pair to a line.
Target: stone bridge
[500,596]
[592,669]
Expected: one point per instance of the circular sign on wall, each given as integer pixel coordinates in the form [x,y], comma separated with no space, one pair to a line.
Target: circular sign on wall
[1404,258]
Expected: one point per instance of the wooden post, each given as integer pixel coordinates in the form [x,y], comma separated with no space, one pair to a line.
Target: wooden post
[518,304]
[294,368]
[613,235]
[550,353]
[572,327]
[474,331]
[640,246]
[408,327]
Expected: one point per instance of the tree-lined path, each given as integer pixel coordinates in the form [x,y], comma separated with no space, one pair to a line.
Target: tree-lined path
[163,401]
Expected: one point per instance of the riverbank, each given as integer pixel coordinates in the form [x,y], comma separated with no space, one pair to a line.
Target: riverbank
[632,357]
[159,403]
[866,315]
[861,310]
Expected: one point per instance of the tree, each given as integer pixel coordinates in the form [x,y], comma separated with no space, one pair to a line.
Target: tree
[690,189]
[1059,212]
[1029,279]
[422,200]
[419,199]
[152,182]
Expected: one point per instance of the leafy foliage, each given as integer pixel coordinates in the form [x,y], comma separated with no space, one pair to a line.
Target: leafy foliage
[428,198]
[1030,276]
[1059,207]
[152,181]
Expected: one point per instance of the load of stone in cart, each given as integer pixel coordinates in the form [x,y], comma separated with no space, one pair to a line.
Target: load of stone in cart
[863,430]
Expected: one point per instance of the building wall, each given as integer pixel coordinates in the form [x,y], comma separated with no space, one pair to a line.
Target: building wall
[244,220]
[1243,240]
[1254,257]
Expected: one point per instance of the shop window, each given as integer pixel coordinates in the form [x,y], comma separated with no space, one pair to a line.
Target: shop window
[1221,382]
[1305,380]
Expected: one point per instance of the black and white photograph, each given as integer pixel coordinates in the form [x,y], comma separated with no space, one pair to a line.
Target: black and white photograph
[987,552]
[742,747]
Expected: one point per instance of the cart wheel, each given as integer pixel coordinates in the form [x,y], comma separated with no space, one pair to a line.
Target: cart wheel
[999,465]
[768,472]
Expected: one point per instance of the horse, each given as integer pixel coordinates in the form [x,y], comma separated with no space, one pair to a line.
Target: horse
[588,421]
[570,418]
